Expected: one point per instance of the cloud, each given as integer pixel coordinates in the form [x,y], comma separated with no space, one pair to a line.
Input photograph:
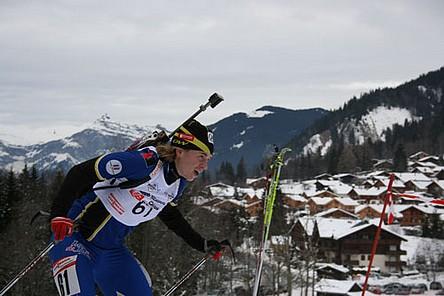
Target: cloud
[149,62]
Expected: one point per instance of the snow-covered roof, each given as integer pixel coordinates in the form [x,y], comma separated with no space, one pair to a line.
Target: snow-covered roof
[335,286]
[422,185]
[364,226]
[327,227]
[296,197]
[373,191]
[440,183]
[386,180]
[424,209]
[346,201]
[340,268]
[329,211]
[418,154]
[405,177]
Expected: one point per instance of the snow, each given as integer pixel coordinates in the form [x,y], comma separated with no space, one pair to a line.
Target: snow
[383,117]
[421,246]
[258,113]
[334,286]
[237,146]
[315,143]
[68,142]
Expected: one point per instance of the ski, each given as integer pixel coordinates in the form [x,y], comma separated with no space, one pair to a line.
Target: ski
[276,167]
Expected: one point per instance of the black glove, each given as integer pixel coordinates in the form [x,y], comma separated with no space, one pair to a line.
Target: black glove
[212,246]
[215,248]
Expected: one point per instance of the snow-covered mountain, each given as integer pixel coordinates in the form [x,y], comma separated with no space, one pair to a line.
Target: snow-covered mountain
[375,114]
[102,136]
[247,135]
[371,126]
[253,135]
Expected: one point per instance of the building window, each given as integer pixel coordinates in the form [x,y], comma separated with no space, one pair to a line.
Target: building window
[362,257]
[393,248]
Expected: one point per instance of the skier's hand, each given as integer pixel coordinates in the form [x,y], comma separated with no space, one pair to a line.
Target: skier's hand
[61,227]
[215,248]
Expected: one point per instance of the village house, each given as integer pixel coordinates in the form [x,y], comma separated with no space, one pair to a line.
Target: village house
[367,195]
[382,164]
[320,204]
[332,271]
[349,242]
[294,201]
[415,215]
[368,211]
[436,188]
[418,155]
[337,214]
[418,186]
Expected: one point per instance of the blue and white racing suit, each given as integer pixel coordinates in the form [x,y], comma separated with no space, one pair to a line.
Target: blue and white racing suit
[96,254]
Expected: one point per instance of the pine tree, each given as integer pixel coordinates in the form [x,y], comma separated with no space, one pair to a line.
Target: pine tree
[241,171]
[400,159]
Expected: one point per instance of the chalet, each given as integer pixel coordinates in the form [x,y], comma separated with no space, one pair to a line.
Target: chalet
[383,164]
[349,242]
[415,215]
[439,174]
[332,271]
[429,172]
[418,155]
[368,194]
[384,182]
[324,193]
[418,186]
[368,211]
[337,214]
[324,176]
[257,183]
[345,178]
[254,209]
[334,186]
[405,177]
[294,201]
[436,188]
[319,204]
[431,158]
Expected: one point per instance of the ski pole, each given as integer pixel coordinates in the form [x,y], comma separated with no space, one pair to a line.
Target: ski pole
[268,212]
[225,244]
[188,274]
[27,268]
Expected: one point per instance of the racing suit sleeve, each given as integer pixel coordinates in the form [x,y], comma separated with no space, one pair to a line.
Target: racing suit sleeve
[81,178]
[174,220]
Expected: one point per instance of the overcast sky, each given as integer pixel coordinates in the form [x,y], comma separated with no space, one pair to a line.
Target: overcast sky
[64,63]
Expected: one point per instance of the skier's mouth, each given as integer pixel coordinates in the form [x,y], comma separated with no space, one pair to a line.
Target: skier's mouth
[196,173]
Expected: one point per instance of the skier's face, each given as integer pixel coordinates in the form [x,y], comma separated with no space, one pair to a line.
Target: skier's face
[190,163]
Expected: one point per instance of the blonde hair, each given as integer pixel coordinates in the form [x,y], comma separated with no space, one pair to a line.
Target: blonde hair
[166,152]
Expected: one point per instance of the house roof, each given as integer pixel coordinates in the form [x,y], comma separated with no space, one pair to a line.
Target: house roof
[330,211]
[422,185]
[340,268]
[358,228]
[373,191]
[335,286]
[346,201]
[405,177]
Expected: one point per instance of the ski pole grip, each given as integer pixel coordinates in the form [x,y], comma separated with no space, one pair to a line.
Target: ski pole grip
[215,99]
